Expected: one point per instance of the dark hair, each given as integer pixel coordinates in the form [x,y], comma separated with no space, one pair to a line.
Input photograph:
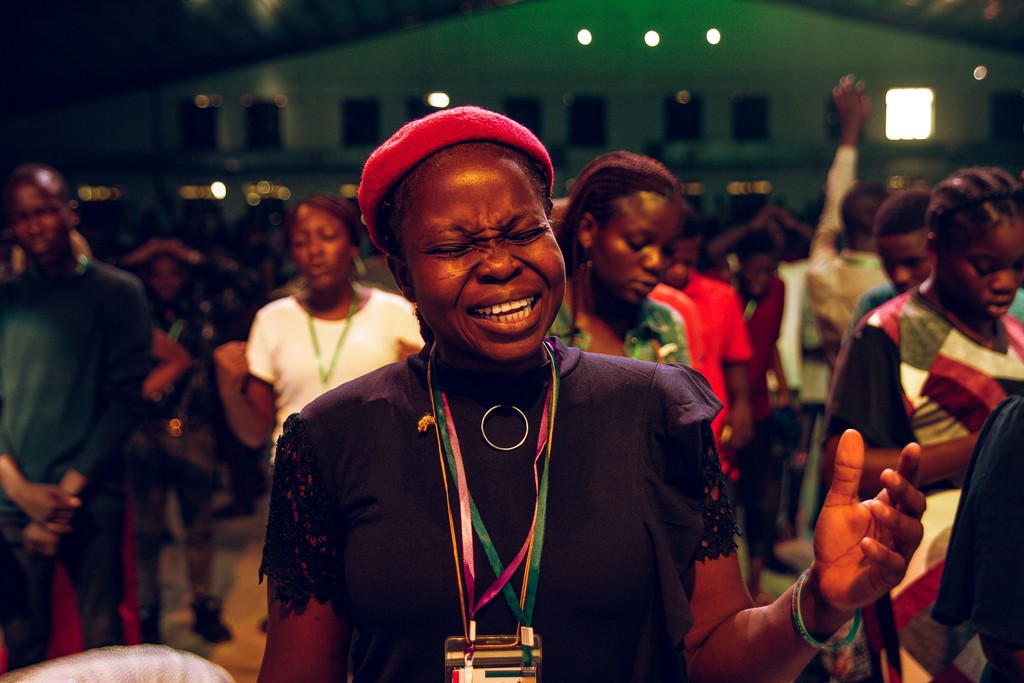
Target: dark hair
[693,224]
[601,183]
[757,243]
[902,213]
[393,207]
[972,200]
[860,206]
[37,175]
[336,205]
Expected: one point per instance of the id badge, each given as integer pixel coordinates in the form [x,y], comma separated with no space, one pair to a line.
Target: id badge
[498,659]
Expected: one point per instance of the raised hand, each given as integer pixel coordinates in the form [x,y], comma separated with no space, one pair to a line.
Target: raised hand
[853,107]
[861,548]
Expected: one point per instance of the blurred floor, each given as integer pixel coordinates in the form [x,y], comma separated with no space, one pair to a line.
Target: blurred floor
[239,543]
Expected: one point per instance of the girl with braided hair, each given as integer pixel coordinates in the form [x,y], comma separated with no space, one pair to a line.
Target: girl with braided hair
[624,213]
[976,242]
[930,366]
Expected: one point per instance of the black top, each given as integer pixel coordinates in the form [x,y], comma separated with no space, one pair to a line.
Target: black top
[981,580]
[358,513]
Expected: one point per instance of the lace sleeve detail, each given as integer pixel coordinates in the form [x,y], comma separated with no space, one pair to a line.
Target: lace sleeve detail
[720,528]
[302,550]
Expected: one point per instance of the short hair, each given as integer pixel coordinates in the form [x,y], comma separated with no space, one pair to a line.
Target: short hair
[38,175]
[860,206]
[971,201]
[336,205]
[756,243]
[902,213]
[604,180]
[394,205]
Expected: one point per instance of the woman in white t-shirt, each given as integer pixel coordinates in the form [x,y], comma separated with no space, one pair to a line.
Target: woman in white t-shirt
[329,332]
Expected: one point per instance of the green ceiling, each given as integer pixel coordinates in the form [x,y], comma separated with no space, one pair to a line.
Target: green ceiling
[59,52]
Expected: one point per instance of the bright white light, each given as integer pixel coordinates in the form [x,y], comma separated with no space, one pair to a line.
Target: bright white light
[714,36]
[909,113]
[584,37]
[438,100]
[218,189]
[980,72]
[652,38]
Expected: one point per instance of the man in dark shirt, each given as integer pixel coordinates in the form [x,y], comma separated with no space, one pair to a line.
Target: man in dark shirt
[75,343]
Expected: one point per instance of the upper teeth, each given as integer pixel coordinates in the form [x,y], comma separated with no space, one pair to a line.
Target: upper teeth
[498,309]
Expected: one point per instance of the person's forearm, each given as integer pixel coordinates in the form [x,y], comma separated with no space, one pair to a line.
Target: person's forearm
[762,644]
[938,461]
[737,383]
[251,425]
[11,476]
[163,376]
[717,247]
[784,396]
[841,177]
[172,362]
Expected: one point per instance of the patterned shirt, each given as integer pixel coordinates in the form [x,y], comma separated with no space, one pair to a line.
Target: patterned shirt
[909,374]
[658,335]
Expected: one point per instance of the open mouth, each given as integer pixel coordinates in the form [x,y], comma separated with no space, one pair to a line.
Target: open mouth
[508,312]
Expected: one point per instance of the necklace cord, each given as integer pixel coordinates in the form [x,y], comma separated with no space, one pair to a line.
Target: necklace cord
[450,452]
[447,498]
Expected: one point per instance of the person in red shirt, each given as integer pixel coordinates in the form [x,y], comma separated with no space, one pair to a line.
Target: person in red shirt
[724,342]
[762,294]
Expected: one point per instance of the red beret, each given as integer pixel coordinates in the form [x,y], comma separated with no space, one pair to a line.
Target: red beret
[417,140]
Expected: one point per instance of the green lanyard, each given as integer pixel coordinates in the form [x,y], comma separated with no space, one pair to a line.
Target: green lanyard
[448,442]
[176,327]
[326,376]
[748,312]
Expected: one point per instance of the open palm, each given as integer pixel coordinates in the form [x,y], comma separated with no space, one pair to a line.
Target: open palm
[861,548]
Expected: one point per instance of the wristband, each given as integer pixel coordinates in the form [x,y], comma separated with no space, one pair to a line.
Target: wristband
[798,620]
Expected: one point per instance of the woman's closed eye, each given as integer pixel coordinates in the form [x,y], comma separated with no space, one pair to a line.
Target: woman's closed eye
[450,250]
[527,236]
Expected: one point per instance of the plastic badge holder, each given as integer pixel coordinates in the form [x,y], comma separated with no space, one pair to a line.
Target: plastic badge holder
[498,659]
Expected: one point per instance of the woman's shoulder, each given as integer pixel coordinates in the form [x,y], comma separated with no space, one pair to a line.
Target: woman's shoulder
[387,303]
[381,296]
[367,405]
[674,384]
[286,306]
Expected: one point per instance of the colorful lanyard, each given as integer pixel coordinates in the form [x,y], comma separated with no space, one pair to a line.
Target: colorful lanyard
[326,376]
[448,445]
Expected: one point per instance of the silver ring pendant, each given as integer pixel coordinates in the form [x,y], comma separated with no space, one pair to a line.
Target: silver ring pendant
[483,431]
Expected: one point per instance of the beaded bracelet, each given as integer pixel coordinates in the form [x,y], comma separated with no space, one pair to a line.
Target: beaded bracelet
[798,620]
